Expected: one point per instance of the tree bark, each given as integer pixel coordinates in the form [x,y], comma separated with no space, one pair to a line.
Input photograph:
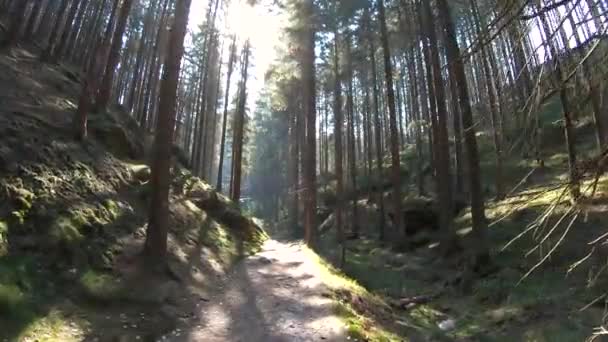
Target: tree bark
[456,66]
[155,248]
[231,61]
[394,132]
[309,93]
[442,147]
[105,91]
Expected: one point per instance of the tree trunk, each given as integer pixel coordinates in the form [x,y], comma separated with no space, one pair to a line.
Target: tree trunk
[67,30]
[105,91]
[156,240]
[567,110]
[394,132]
[56,30]
[351,140]
[338,123]
[456,66]
[492,100]
[309,93]
[89,89]
[377,125]
[16,24]
[231,61]
[442,149]
[239,128]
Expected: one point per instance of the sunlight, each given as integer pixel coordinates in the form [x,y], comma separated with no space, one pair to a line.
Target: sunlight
[242,20]
[257,23]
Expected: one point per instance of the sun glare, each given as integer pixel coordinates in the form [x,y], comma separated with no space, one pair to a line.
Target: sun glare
[241,20]
[258,24]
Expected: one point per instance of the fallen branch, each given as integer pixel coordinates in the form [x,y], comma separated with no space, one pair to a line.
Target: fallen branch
[410,302]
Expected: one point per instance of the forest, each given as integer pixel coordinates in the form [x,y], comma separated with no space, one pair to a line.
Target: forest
[303,170]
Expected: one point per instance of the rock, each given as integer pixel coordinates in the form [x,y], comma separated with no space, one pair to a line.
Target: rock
[422,214]
[206,200]
[447,325]
[141,173]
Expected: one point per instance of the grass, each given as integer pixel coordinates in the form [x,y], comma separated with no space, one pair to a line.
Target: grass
[101,288]
[543,307]
[24,291]
[55,326]
[503,306]
[343,289]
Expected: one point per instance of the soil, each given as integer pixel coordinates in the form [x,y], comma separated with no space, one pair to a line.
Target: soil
[276,295]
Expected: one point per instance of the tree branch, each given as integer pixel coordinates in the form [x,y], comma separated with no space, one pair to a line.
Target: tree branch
[545,10]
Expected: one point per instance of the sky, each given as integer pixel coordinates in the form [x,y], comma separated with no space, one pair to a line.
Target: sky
[260,24]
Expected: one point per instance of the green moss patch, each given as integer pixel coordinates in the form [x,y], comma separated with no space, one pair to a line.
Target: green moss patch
[101,287]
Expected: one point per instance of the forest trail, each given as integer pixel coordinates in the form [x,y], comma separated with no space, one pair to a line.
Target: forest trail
[276,295]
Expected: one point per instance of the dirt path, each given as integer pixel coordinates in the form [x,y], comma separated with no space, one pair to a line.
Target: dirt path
[276,295]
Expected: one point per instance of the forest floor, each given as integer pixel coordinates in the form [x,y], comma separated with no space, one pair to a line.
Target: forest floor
[547,281]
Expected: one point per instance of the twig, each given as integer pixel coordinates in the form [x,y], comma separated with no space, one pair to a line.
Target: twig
[559,242]
[523,180]
[578,263]
[592,303]
[550,233]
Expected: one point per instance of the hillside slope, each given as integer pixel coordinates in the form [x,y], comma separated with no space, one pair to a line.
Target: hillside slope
[73,219]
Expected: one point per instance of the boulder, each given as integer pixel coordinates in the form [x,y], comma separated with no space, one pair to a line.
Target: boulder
[422,214]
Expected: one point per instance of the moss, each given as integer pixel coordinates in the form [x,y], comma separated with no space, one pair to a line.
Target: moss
[66,229]
[56,325]
[101,287]
[18,217]
[3,238]
[360,328]
[22,290]
[360,325]
[11,297]
[112,208]
[23,198]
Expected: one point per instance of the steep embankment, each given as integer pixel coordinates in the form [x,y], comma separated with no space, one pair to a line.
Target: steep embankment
[73,219]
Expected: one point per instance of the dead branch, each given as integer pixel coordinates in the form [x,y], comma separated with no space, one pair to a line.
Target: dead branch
[545,9]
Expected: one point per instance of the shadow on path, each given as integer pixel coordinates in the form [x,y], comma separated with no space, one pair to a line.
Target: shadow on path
[276,295]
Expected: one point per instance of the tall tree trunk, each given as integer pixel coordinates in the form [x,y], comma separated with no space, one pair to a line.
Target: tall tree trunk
[338,123]
[418,123]
[89,89]
[156,240]
[67,30]
[456,66]
[32,21]
[105,91]
[567,109]
[377,125]
[351,139]
[492,101]
[442,150]
[394,132]
[231,61]
[309,106]
[239,129]
[56,30]
[16,24]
